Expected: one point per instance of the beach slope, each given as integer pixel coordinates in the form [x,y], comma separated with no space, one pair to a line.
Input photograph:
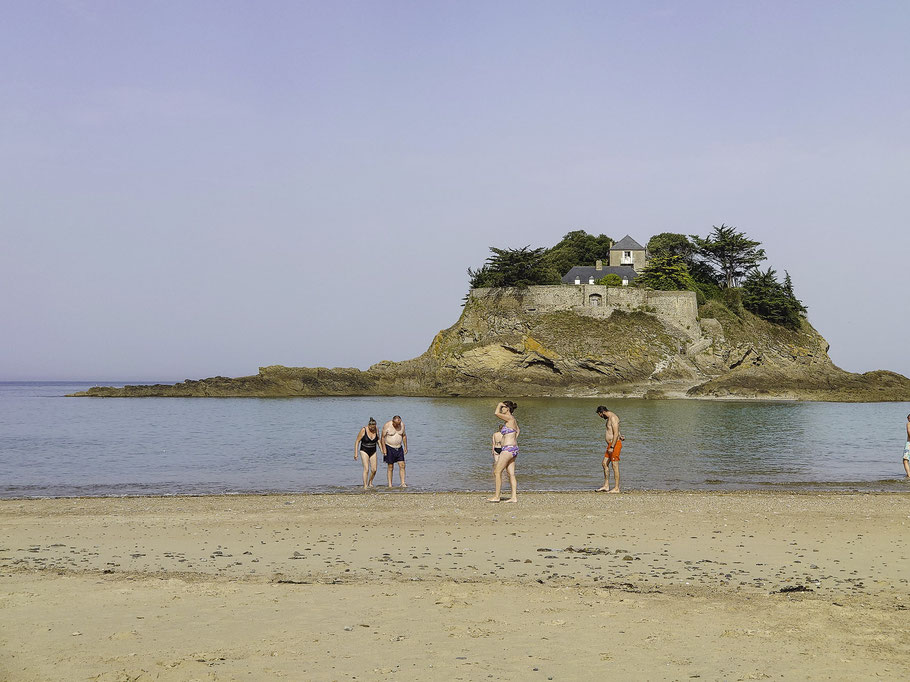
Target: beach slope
[446,586]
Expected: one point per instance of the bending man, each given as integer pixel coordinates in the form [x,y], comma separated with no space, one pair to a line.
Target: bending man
[614,447]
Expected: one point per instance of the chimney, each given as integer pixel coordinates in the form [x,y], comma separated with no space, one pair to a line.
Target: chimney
[599,265]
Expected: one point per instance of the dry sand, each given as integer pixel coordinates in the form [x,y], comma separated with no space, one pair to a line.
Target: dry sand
[405,586]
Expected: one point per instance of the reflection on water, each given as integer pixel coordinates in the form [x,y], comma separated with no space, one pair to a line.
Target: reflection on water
[51,445]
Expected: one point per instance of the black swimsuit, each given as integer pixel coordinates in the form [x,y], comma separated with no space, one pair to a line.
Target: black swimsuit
[367,444]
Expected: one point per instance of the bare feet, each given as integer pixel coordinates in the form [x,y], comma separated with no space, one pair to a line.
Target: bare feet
[403,485]
[513,500]
[614,490]
[602,490]
[492,499]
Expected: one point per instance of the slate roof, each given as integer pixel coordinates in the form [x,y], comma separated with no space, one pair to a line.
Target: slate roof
[584,272]
[627,244]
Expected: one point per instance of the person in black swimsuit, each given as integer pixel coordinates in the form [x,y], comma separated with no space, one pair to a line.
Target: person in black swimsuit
[497,447]
[365,447]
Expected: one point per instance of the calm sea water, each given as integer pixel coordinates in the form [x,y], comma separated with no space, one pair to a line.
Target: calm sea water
[51,445]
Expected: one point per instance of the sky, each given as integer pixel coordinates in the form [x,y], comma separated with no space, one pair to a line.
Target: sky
[190,189]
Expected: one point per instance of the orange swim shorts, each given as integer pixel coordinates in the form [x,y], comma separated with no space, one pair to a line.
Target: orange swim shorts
[614,456]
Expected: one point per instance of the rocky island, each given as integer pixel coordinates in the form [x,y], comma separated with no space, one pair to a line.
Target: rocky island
[631,343]
[664,321]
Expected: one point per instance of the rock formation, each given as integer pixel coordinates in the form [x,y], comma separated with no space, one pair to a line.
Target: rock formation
[498,348]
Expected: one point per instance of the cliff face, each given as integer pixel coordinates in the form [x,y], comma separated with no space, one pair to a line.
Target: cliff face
[499,348]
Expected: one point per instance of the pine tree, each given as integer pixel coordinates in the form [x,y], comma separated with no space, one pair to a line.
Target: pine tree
[732,252]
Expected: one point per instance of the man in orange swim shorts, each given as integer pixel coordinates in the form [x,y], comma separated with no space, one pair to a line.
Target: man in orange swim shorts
[614,447]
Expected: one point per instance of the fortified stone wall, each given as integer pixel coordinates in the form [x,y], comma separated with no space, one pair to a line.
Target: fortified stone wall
[676,308]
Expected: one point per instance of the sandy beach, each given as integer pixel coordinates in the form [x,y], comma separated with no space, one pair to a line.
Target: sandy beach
[392,585]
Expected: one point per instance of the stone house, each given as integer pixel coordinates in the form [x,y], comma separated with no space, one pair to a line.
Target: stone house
[627,258]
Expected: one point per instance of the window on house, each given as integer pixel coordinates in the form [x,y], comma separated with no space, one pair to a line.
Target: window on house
[626,258]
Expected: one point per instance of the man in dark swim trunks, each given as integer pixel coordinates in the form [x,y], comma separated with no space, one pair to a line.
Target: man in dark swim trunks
[394,446]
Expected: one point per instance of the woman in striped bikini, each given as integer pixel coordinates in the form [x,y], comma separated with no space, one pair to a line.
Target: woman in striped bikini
[506,459]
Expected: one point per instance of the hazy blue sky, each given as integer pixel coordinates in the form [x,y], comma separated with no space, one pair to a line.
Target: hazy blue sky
[200,188]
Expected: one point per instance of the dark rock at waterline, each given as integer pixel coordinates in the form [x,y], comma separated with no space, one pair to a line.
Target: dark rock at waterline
[499,348]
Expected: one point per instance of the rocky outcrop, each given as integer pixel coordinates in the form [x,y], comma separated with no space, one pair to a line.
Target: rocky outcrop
[499,348]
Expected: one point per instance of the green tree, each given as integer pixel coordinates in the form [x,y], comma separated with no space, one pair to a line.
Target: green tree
[772,300]
[674,244]
[578,248]
[480,277]
[730,251]
[611,280]
[514,268]
[671,244]
[666,273]
[788,290]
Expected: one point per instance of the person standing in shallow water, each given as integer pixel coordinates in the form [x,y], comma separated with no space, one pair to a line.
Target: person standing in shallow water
[614,447]
[497,446]
[365,447]
[394,446]
[506,459]
[907,449]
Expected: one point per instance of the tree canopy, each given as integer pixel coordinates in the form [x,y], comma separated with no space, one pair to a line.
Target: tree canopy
[671,244]
[677,263]
[772,300]
[514,268]
[674,244]
[527,266]
[611,280]
[578,248]
[666,272]
[732,252]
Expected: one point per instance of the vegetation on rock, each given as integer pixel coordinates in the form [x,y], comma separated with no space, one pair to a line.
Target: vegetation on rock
[772,300]
[522,267]
[611,280]
[711,267]
[578,248]
[666,272]
[731,252]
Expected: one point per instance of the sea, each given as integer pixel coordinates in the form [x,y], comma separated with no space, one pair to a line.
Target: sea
[55,446]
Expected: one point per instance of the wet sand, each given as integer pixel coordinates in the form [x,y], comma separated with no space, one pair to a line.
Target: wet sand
[393,585]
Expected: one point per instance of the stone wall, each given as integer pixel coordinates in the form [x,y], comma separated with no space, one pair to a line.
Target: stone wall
[678,309]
